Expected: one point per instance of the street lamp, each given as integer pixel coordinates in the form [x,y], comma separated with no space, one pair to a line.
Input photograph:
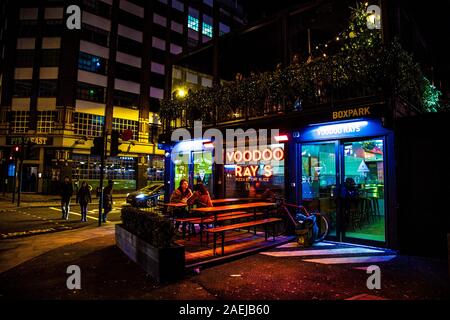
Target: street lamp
[180,93]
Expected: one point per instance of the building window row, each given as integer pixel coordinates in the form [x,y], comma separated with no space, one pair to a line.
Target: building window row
[90,92]
[87,167]
[129,46]
[23,88]
[89,125]
[126,72]
[207,30]
[125,124]
[20,121]
[49,58]
[94,35]
[46,121]
[25,58]
[91,63]
[193,23]
[48,88]
[125,99]
[97,7]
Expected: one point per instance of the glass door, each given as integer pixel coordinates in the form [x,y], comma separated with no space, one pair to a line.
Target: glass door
[362,190]
[319,180]
[202,162]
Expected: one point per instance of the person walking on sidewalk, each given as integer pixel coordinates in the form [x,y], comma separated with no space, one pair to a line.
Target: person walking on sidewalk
[66,193]
[83,198]
[107,200]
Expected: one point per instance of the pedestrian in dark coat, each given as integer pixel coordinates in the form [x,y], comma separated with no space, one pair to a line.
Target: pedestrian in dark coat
[107,200]
[83,198]
[66,193]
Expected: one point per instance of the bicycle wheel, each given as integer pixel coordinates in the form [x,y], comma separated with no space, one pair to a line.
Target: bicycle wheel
[322,222]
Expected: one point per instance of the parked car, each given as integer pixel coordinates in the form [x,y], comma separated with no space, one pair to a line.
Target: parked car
[147,196]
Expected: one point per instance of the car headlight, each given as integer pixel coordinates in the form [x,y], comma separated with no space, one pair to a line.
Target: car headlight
[140,196]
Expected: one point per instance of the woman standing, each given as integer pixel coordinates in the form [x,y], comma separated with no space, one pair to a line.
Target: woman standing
[83,198]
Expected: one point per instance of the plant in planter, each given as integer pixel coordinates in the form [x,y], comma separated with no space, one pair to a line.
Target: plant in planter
[148,239]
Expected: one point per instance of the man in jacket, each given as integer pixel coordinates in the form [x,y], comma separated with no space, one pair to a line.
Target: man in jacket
[66,193]
[107,200]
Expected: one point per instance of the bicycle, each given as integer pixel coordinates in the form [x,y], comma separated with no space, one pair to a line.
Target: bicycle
[321,220]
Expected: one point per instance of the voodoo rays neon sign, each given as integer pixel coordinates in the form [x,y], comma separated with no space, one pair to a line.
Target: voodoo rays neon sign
[242,170]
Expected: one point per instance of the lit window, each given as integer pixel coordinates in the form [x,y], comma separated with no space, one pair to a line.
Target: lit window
[88,124]
[91,63]
[20,120]
[125,124]
[192,23]
[207,30]
[46,121]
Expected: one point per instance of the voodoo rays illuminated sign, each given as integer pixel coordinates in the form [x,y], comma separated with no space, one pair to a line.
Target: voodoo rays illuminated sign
[243,169]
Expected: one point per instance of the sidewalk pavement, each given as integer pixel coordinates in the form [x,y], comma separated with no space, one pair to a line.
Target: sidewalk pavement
[33,200]
[35,268]
[20,250]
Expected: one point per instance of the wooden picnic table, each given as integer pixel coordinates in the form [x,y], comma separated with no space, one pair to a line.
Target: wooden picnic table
[206,212]
[232,207]
[175,204]
[214,201]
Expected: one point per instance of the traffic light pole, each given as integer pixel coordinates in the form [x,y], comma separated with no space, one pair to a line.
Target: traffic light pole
[14,181]
[19,189]
[102,170]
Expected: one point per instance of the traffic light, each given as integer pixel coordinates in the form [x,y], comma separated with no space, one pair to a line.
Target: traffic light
[99,147]
[115,143]
[17,152]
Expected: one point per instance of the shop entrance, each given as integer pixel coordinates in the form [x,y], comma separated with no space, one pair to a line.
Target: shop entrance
[344,180]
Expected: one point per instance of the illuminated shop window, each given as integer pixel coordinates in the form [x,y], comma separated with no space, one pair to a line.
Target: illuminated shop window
[192,23]
[120,169]
[207,30]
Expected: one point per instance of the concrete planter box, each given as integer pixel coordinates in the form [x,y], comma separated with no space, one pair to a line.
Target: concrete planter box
[163,265]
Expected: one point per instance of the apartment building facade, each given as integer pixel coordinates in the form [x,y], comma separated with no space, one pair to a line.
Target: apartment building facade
[60,87]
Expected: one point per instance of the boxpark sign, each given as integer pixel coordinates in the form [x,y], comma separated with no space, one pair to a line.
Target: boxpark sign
[352,113]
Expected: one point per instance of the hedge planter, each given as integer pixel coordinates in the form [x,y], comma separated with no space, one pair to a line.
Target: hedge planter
[163,265]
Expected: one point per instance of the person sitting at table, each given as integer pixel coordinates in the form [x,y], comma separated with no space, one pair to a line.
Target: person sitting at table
[181,195]
[200,198]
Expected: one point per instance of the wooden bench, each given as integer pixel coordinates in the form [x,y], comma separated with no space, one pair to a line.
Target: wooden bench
[222,229]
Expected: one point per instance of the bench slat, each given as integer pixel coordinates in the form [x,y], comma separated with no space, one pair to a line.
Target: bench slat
[225,218]
[191,219]
[242,225]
